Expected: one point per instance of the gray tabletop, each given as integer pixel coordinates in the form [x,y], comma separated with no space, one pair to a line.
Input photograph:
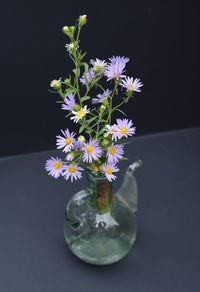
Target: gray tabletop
[166,255]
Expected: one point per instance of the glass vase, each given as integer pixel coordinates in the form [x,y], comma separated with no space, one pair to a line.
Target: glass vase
[100,227]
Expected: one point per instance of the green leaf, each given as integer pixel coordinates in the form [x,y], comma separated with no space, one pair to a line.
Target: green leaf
[89,131]
[69,91]
[119,110]
[82,128]
[69,114]
[96,80]
[85,98]
[125,143]
[85,65]
[76,72]
[72,58]
[52,91]
[91,120]
[124,158]
[82,56]
[93,125]
[101,131]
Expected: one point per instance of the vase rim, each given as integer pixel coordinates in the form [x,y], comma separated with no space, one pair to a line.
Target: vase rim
[93,176]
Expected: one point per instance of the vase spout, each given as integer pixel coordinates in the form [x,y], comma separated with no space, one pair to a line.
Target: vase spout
[132,167]
[128,192]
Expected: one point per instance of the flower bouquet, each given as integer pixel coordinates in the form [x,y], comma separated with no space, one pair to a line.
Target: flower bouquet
[98,147]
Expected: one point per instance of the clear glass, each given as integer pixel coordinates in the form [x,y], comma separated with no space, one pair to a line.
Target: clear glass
[100,227]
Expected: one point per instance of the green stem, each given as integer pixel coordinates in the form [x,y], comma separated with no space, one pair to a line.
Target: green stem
[60,92]
[110,109]
[77,83]
[98,126]
[100,87]
[87,127]
[124,101]
[79,30]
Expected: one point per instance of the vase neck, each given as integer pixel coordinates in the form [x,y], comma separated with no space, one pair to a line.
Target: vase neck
[100,191]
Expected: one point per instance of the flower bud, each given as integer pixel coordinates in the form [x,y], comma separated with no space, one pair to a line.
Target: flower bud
[105,142]
[70,156]
[81,139]
[96,69]
[55,84]
[105,102]
[66,29]
[129,93]
[72,29]
[82,20]
[102,108]
[67,81]
[69,31]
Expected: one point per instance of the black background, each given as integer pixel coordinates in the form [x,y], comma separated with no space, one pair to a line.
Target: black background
[160,37]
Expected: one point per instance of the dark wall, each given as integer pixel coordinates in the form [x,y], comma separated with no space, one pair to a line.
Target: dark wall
[160,37]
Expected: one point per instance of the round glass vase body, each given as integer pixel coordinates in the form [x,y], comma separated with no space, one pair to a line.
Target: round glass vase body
[100,227]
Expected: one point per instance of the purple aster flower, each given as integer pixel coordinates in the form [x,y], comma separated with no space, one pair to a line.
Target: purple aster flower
[109,169]
[125,128]
[115,152]
[89,76]
[69,102]
[99,65]
[115,69]
[73,171]
[77,145]
[119,59]
[131,85]
[54,166]
[91,150]
[102,97]
[65,142]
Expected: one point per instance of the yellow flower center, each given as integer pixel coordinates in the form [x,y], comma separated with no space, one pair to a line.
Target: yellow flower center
[123,130]
[68,140]
[95,168]
[109,170]
[80,113]
[71,45]
[56,165]
[131,86]
[71,169]
[89,149]
[112,150]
